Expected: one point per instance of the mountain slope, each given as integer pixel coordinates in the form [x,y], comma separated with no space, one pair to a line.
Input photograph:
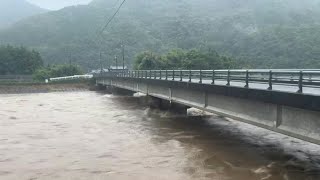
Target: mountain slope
[12,11]
[265,33]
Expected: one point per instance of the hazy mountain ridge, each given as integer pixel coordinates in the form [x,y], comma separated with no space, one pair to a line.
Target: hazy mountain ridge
[267,33]
[11,11]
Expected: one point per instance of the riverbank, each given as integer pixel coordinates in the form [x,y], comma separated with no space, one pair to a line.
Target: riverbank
[22,88]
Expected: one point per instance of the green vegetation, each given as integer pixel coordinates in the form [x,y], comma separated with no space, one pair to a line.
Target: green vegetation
[56,71]
[18,60]
[263,34]
[23,62]
[180,59]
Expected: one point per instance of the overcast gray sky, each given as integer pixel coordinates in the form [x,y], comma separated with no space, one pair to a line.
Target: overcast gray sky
[57,4]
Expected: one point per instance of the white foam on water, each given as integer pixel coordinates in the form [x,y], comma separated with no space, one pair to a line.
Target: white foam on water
[300,149]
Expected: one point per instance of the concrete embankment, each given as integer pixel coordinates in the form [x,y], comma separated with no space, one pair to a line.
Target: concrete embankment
[44,88]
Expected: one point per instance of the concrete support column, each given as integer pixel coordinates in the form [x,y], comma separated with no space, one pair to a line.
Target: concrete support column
[165,105]
[179,108]
[103,88]
[120,91]
[100,87]
[153,102]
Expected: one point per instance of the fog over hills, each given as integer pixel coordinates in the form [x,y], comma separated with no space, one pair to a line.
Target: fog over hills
[12,11]
[262,34]
[57,4]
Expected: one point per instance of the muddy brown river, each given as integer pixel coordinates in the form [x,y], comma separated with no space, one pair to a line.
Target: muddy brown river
[93,136]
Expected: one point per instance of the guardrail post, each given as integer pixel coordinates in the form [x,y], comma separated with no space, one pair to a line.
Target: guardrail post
[173,75]
[247,79]
[190,75]
[138,73]
[180,75]
[228,78]
[166,75]
[155,74]
[160,74]
[213,76]
[146,74]
[200,77]
[270,80]
[150,75]
[300,82]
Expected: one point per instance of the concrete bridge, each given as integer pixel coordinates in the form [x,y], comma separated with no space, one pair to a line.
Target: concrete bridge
[284,101]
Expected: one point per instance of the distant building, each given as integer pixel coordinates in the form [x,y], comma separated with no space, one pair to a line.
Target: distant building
[118,69]
[97,71]
[110,69]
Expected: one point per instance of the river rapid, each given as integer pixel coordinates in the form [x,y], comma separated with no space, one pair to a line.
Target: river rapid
[88,135]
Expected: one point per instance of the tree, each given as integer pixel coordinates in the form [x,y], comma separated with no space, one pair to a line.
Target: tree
[147,60]
[19,60]
[180,59]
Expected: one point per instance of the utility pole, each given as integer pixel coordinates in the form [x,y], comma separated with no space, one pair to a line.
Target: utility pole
[122,46]
[116,59]
[100,59]
[107,63]
[68,52]
[70,63]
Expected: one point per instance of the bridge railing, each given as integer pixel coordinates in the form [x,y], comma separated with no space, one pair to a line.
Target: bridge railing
[271,78]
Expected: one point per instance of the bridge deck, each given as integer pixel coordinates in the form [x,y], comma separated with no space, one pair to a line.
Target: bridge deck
[293,81]
[287,102]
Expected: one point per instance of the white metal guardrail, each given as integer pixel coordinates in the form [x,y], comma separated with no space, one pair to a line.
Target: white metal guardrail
[71,77]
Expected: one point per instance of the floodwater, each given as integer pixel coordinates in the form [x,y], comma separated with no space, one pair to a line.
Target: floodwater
[87,135]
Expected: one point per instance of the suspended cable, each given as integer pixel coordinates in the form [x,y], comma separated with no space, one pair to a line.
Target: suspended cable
[112,17]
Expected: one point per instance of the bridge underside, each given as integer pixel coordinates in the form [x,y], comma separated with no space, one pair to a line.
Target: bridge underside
[291,114]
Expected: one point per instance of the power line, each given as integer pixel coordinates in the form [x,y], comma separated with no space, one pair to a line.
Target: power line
[104,28]
[116,3]
[114,6]
[112,17]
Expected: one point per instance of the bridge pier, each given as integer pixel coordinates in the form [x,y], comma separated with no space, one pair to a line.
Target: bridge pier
[165,105]
[100,87]
[120,91]
[103,88]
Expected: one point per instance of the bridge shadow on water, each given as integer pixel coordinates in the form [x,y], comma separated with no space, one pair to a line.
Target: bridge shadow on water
[227,148]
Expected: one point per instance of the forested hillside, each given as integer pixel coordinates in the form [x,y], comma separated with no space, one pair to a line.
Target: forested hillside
[260,34]
[12,11]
